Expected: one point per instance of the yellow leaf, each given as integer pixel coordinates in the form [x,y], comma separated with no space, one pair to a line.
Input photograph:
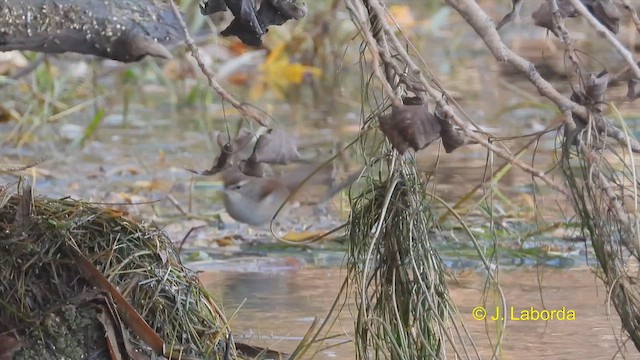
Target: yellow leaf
[403,15]
[225,241]
[275,53]
[302,235]
[279,74]
[295,72]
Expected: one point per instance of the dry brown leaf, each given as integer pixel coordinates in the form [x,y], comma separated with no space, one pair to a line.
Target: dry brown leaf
[451,139]
[251,167]
[595,89]
[603,10]
[410,126]
[302,235]
[225,241]
[250,24]
[516,5]
[110,334]
[592,94]
[228,148]
[543,16]
[606,13]
[7,114]
[212,6]
[127,312]
[276,147]
[239,78]
[239,143]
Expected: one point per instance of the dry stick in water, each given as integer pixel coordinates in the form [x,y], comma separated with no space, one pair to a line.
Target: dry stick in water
[195,52]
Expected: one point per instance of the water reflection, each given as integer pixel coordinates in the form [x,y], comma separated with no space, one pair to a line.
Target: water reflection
[280,307]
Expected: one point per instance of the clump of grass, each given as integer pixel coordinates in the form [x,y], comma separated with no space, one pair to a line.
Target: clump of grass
[403,305]
[604,187]
[41,241]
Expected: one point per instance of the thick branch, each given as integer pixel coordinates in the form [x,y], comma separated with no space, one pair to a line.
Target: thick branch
[120,29]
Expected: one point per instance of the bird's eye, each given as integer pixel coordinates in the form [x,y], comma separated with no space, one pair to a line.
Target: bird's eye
[237,186]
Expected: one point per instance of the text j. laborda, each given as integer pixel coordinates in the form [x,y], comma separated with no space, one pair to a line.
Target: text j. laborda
[526,314]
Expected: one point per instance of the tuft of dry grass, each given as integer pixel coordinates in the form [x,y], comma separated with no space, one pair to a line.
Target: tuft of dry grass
[604,187]
[42,243]
[402,301]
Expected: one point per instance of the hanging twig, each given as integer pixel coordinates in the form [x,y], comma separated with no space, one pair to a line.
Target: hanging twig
[224,94]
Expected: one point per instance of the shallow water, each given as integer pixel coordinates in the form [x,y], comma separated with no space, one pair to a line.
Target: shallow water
[278,307]
[142,160]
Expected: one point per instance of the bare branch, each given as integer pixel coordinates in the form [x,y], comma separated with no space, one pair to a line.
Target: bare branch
[484,27]
[604,32]
[443,106]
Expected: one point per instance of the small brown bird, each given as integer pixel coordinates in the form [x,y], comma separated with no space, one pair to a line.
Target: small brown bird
[255,201]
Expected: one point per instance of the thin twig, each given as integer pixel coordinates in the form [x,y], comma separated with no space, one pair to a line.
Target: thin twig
[195,52]
[176,203]
[12,169]
[360,15]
